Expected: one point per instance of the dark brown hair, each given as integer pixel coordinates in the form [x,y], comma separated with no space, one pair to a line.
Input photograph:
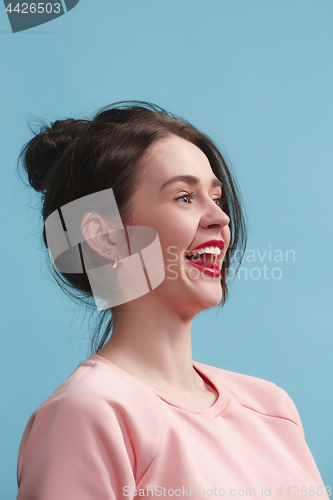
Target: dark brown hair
[74,158]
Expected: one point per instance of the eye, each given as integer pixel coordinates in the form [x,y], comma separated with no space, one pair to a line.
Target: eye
[218,201]
[191,196]
[221,201]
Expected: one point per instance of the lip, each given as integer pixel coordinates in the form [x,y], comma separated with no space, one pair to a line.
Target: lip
[214,271]
[210,243]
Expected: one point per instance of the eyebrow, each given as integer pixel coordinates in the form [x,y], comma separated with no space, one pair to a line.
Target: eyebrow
[190,179]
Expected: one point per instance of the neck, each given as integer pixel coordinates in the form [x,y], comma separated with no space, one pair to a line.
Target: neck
[153,343]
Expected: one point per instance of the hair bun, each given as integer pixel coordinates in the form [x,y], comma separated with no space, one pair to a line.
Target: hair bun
[41,153]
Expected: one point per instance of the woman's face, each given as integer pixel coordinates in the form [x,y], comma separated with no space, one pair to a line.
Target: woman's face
[183,222]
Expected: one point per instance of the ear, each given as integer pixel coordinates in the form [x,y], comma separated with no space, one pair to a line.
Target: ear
[97,233]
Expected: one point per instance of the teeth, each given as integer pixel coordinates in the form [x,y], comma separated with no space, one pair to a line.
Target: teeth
[212,250]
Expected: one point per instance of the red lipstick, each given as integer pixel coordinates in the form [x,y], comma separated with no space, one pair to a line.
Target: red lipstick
[213,271]
[210,243]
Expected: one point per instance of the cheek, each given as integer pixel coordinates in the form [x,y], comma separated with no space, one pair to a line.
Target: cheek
[176,228]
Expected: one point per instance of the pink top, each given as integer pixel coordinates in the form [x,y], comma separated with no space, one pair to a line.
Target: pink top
[104,435]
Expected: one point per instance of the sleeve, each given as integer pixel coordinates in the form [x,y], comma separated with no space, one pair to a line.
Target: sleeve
[306,457]
[291,408]
[74,448]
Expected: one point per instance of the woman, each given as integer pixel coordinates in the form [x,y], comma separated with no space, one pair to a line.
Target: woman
[139,417]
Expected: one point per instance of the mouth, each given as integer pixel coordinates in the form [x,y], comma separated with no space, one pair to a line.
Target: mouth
[204,259]
[206,263]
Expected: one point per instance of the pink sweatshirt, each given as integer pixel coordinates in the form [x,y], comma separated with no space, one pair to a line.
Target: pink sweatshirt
[105,435]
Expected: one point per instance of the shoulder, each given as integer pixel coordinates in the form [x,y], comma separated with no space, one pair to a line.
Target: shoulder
[96,390]
[257,394]
[95,412]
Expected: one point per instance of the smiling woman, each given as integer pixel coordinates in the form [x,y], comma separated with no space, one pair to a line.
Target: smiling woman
[140,417]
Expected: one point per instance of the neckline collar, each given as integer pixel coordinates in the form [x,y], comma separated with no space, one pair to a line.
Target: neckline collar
[221,403]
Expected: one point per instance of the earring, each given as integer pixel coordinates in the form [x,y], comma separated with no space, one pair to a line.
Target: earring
[115,261]
[116,257]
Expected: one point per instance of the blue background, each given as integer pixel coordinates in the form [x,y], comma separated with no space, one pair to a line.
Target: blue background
[256,75]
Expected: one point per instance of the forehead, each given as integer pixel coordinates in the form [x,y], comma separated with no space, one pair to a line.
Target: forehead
[174,156]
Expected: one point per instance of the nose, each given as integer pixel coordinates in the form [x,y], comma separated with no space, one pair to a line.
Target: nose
[213,216]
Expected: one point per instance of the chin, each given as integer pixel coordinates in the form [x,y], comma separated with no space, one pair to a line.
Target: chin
[212,303]
[209,297]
